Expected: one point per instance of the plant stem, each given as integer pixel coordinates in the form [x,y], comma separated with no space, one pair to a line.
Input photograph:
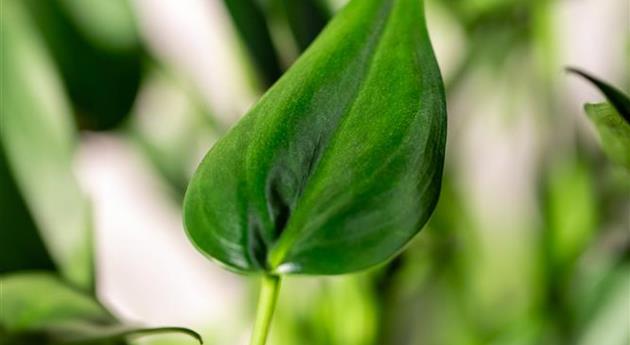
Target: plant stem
[266,305]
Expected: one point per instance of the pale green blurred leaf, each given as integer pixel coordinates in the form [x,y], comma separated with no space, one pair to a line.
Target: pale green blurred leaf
[38,308]
[36,300]
[610,323]
[571,210]
[171,126]
[333,311]
[110,24]
[613,130]
[611,119]
[39,140]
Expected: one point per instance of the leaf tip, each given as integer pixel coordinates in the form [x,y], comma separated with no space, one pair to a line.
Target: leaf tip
[578,72]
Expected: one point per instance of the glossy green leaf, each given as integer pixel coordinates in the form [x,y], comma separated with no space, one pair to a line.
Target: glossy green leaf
[612,120]
[37,308]
[249,19]
[38,143]
[339,165]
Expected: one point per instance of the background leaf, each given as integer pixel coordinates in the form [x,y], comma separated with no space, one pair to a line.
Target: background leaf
[21,247]
[38,143]
[249,18]
[109,25]
[39,308]
[613,130]
[35,300]
[611,119]
[101,75]
[618,99]
[306,19]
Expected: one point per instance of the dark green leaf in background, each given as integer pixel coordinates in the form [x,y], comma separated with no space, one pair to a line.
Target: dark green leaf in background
[101,69]
[339,164]
[306,19]
[21,247]
[250,22]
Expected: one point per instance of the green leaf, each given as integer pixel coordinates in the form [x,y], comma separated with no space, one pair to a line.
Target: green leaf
[172,138]
[613,130]
[23,249]
[570,213]
[339,165]
[37,308]
[107,24]
[618,99]
[101,69]
[611,119]
[250,22]
[35,300]
[608,323]
[38,142]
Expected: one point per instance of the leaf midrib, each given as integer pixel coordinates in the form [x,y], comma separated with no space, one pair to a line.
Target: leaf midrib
[278,252]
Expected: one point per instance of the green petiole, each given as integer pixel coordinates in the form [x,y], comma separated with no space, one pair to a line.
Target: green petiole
[266,306]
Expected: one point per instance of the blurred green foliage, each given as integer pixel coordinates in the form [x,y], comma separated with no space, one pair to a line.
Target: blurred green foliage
[71,65]
[23,249]
[614,131]
[249,20]
[46,220]
[38,308]
[38,142]
[96,49]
